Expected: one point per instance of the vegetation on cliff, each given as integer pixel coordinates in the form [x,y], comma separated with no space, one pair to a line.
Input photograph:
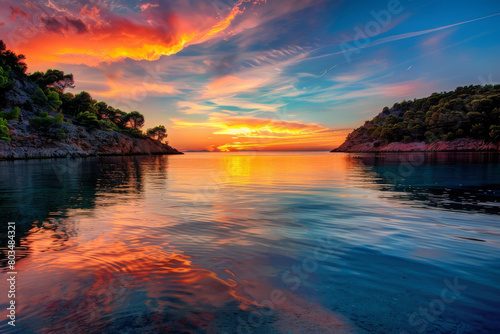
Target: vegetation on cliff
[40,99]
[467,112]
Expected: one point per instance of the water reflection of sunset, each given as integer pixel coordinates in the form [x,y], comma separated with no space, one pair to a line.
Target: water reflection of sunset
[135,252]
[202,243]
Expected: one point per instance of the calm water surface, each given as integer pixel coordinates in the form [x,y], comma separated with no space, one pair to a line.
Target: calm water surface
[254,243]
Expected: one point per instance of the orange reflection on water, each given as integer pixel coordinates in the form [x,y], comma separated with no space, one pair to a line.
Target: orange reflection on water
[131,257]
[74,284]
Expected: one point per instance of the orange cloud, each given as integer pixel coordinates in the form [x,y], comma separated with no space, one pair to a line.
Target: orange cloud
[263,127]
[91,35]
[312,141]
[231,85]
[252,133]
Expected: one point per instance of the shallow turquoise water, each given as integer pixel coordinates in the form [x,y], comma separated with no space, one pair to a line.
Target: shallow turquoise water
[255,243]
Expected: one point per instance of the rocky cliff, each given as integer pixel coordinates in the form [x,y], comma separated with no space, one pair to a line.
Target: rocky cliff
[466,119]
[456,145]
[79,143]
[74,137]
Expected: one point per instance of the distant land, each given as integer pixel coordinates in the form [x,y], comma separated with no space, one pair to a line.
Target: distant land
[39,120]
[466,119]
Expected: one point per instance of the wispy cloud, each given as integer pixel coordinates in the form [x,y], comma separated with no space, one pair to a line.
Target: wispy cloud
[399,37]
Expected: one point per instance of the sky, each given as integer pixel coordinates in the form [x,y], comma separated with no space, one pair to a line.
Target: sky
[226,75]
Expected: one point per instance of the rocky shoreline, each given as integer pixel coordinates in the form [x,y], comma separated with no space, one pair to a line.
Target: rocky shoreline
[457,145]
[80,143]
[72,136]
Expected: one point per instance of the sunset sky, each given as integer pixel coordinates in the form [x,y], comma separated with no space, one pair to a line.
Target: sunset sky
[258,74]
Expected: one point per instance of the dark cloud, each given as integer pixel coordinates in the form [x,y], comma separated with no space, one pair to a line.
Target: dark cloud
[77,24]
[57,25]
[52,24]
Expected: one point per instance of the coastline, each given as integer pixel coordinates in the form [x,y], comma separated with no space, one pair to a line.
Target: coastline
[82,144]
[457,145]
[74,156]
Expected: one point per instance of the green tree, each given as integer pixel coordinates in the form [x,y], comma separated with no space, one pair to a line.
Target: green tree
[13,62]
[101,110]
[106,124]
[430,136]
[391,119]
[133,120]
[40,98]
[80,103]
[53,78]
[495,133]
[53,99]
[4,130]
[45,125]
[158,132]
[11,115]
[6,83]
[115,116]
[481,105]
[88,119]
[478,131]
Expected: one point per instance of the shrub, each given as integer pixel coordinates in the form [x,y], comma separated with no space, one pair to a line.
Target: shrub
[478,131]
[158,132]
[134,133]
[106,124]
[5,83]
[53,99]
[39,97]
[11,115]
[391,119]
[133,120]
[4,130]
[45,125]
[61,133]
[88,119]
[495,133]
